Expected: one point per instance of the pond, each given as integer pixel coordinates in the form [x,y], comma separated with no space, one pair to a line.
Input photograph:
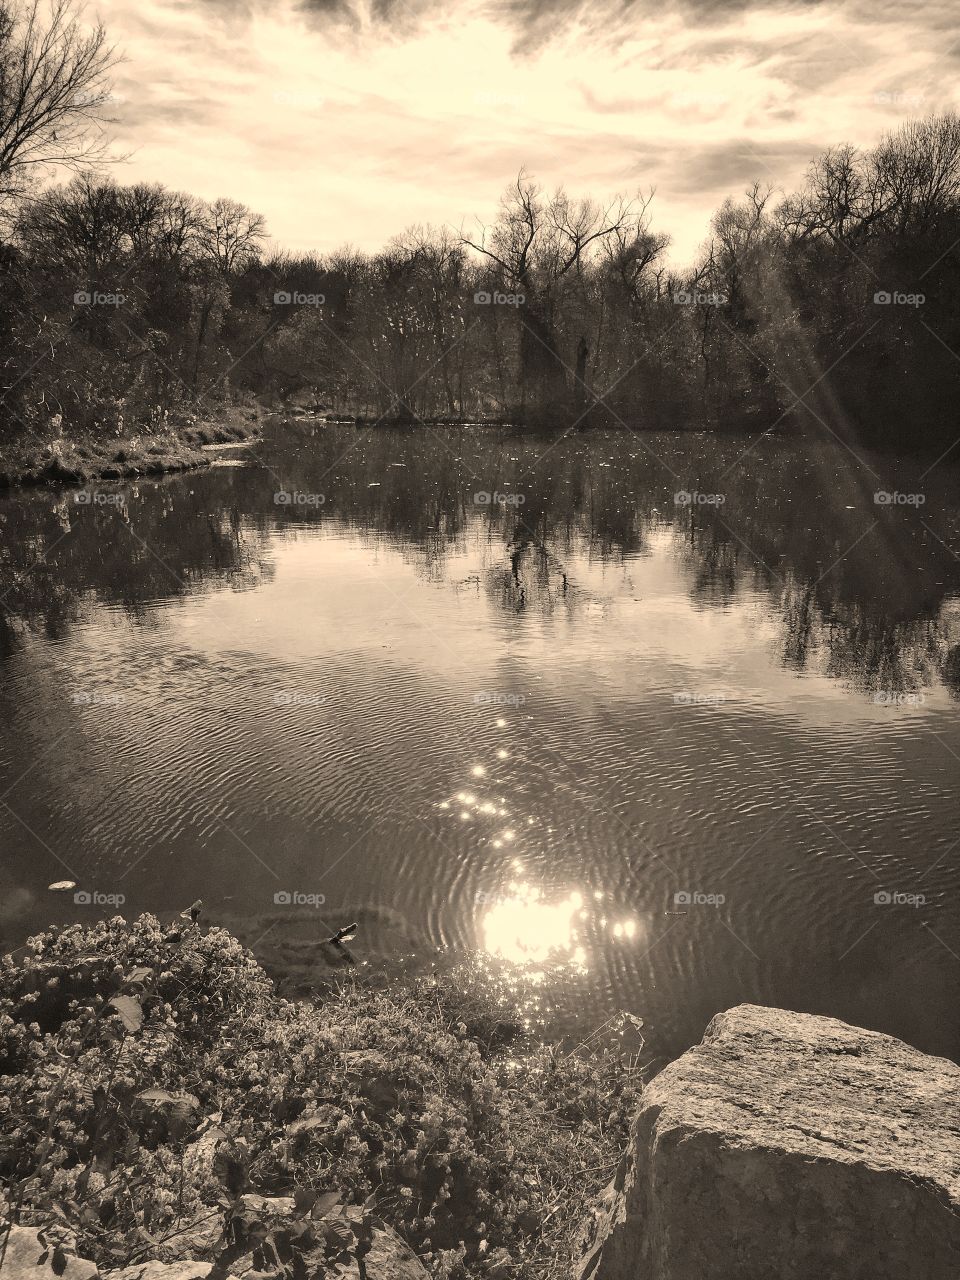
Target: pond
[654,722]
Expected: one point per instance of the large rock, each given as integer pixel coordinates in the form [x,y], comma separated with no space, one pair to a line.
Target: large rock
[789,1147]
[30,1254]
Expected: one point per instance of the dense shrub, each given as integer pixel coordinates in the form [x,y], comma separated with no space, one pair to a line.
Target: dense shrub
[121,1045]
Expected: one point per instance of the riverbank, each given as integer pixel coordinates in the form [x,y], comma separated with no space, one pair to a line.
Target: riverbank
[179,446]
[160,1101]
[165,1115]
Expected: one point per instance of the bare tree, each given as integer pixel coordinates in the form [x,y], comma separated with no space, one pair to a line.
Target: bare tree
[233,235]
[918,168]
[161,225]
[53,90]
[441,260]
[539,245]
[77,229]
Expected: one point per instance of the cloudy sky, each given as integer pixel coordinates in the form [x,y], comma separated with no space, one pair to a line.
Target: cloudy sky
[345,122]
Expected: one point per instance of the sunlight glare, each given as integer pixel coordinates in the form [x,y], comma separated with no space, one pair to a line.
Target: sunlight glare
[525,929]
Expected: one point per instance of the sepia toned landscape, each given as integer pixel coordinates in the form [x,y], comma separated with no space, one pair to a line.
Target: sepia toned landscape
[479,641]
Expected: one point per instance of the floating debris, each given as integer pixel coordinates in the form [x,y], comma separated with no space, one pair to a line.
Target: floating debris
[62,886]
[343,935]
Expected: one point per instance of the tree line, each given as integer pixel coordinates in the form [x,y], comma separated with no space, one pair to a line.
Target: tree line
[835,307]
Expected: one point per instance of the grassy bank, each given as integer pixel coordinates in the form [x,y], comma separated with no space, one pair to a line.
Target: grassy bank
[152,1078]
[175,445]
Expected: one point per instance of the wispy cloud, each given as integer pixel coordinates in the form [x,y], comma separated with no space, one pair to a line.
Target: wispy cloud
[343,120]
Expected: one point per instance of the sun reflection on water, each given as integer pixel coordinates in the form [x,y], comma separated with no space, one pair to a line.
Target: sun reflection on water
[524,928]
[540,936]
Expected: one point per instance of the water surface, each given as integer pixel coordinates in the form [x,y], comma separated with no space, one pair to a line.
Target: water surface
[660,756]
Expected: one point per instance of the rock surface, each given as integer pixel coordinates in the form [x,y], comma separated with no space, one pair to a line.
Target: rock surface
[390,1258]
[29,1255]
[184,1270]
[789,1147]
